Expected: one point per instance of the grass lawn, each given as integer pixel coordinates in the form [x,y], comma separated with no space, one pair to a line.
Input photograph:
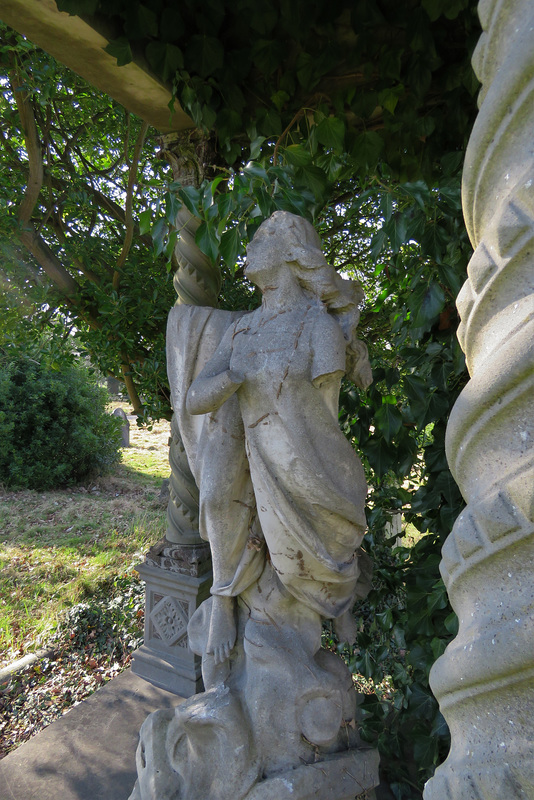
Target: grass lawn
[60,548]
[67,581]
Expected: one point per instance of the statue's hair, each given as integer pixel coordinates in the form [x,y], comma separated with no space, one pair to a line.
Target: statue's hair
[316,276]
[320,280]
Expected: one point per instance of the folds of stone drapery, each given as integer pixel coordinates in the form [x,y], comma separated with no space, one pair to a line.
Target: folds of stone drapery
[485,680]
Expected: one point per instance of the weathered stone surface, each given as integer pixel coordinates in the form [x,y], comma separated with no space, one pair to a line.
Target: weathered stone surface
[89,753]
[281,502]
[183,553]
[125,431]
[485,680]
[178,578]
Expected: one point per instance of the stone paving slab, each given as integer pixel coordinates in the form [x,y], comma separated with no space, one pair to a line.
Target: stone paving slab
[89,754]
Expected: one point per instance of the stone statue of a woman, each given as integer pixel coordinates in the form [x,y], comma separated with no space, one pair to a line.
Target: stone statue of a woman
[282,504]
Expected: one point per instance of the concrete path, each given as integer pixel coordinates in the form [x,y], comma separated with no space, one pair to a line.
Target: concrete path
[89,754]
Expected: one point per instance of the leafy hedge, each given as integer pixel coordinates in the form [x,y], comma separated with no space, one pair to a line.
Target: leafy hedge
[54,429]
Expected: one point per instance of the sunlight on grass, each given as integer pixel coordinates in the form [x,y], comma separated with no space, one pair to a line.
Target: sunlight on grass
[59,548]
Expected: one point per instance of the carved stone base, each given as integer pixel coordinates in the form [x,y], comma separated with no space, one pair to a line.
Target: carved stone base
[278,719]
[178,579]
[221,763]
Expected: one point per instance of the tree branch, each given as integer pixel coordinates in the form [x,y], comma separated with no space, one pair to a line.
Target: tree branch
[131,388]
[132,176]
[52,266]
[33,147]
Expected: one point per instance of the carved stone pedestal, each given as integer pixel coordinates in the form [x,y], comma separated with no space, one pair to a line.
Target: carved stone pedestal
[178,579]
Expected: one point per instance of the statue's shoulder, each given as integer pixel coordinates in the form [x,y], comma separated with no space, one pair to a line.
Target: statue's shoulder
[323,321]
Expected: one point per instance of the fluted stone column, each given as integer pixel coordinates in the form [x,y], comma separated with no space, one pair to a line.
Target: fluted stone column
[177,570]
[485,680]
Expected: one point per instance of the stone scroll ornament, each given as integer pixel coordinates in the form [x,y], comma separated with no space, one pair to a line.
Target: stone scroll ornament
[281,502]
[485,680]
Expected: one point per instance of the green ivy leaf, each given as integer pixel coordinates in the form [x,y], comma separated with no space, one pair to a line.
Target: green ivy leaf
[388,98]
[419,191]
[159,233]
[396,231]
[389,421]
[165,59]
[447,486]
[145,221]
[386,205]
[425,750]
[190,198]
[267,55]
[230,247]
[206,239]
[434,8]
[379,455]
[427,302]
[306,70]
[225,203]
[204,55]
[255,147]
[331,133]
[367,148]
[256,171]
[451,623]
[279,99]
[147,20]
[377,243]
[314,179]
[297,154]
[120,49]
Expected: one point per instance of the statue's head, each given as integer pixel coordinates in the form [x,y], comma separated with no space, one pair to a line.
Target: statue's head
[287,241]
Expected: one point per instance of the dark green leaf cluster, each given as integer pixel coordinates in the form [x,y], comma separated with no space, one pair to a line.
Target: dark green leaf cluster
[391,80]
[412,267]
[108,623]
[54,429]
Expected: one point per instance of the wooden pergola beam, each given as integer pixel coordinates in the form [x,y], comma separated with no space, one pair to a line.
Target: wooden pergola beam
[76,43]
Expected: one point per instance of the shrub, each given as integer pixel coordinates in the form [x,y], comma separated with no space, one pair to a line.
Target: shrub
[54,429]
[110,623]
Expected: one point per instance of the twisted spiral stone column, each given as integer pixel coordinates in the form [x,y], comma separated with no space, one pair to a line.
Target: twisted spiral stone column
[485,680]
[177,570]
[197,282]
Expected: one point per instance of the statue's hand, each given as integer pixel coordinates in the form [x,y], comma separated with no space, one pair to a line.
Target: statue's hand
[236,376]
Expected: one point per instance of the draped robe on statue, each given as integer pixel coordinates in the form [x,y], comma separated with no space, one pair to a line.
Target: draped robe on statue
[277,479]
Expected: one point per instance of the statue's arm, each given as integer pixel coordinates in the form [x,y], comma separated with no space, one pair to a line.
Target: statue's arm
[216,382]
[328,352]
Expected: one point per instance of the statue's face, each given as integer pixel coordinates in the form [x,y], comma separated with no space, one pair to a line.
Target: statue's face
[264,255]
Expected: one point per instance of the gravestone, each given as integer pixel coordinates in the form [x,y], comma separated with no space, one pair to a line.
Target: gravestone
[125,431]
[114,385]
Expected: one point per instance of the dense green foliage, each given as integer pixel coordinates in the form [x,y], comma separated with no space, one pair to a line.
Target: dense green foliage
[77,171]
[54,429]
[386,80]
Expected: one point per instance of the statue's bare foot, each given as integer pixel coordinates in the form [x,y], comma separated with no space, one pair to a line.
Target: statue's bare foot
[222,635]
[346,628]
